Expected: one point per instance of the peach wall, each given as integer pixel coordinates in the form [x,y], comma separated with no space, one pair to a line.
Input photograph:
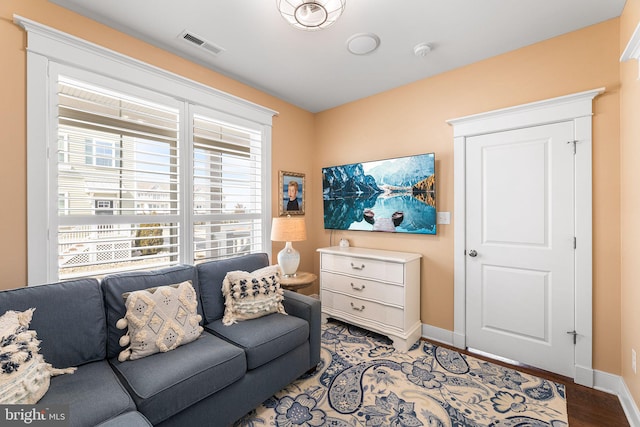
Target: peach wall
[630,199]
[408,120]
[412,119]
[292,129]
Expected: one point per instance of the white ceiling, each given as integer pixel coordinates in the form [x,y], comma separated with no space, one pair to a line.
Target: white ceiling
[314,70]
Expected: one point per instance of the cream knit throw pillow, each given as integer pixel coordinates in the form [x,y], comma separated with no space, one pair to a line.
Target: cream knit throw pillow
[252,295]
[159,320]
[24,375]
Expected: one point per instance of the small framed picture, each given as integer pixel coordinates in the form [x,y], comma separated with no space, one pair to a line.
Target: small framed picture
[292,188]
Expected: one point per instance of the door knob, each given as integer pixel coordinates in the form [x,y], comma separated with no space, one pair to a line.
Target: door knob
[473,253]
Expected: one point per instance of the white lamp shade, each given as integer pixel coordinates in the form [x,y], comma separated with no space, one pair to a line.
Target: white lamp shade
[288,229]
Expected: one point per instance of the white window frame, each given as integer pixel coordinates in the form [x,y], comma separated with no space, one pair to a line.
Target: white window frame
[47,49]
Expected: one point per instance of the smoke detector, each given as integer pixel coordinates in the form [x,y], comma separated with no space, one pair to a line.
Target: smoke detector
[422,49]
[200,42]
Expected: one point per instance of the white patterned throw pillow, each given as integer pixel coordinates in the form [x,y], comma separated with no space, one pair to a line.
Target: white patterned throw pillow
[252,295]
[24,375]
[159,320]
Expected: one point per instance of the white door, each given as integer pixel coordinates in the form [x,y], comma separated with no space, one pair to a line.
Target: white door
[520,245]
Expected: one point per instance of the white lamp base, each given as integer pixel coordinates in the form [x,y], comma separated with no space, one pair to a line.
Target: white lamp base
[289,259]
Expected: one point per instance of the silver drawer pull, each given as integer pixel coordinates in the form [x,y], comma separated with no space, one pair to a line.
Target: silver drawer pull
[357,289]
[355,267]
[357,308]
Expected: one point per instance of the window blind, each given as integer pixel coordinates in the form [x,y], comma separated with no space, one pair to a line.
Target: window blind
[227,189]
[118,179]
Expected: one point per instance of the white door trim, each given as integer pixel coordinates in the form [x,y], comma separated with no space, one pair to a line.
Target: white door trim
[577,108]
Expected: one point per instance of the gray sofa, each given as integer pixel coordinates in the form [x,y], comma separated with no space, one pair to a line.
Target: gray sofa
[211,381]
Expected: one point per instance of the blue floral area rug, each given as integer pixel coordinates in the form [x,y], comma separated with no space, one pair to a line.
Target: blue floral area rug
[363,381]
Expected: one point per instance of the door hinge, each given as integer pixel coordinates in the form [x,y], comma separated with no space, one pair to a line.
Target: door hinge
[575,336]
[575,143]
[575,243]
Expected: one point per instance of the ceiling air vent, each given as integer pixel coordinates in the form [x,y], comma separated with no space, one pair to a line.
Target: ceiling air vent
[201,43]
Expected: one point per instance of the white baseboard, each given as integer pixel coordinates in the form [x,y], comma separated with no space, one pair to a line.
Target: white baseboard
[614,384]
[609,383]
[437,334]
[603,381]
[584,376]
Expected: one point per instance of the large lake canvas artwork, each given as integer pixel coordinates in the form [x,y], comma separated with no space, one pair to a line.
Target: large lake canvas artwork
[393,195]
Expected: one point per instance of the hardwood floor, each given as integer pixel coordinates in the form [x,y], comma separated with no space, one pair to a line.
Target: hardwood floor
[586,407]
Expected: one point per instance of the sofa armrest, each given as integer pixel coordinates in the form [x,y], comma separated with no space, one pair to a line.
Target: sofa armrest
[306,308]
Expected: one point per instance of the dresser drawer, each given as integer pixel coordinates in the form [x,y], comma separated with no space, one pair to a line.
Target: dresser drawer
[363,267]
[363,288]
[354,308]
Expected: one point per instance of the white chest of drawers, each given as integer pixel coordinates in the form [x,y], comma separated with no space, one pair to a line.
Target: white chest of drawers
[375,289]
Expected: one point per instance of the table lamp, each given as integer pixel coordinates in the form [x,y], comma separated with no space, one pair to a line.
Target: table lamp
[288,229]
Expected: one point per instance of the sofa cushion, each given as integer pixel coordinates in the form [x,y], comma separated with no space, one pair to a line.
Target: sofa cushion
[212,273]
[93,393]
[69,319]
[164,384]
[252,295]
[264,339]
[159,320]
[115,285]
[239,398]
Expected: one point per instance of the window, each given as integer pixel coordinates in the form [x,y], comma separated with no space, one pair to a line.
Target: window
[151,169]
[103,207]
[63,203]
[100,153]
[227,189]
[130,147]
[63,148]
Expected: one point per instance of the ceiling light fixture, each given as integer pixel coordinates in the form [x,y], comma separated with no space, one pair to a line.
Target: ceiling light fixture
[311,15]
